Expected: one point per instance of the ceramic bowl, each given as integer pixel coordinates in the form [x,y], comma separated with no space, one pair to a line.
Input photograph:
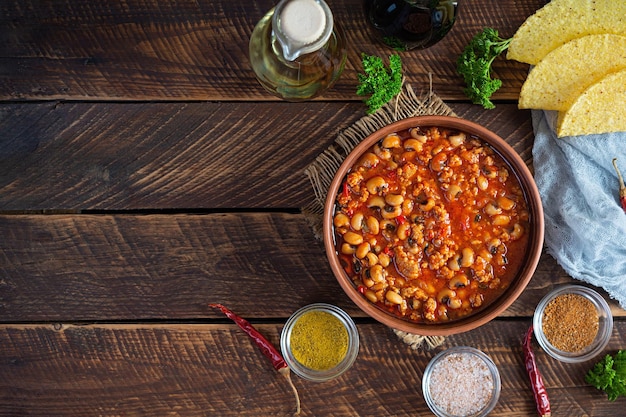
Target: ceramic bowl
[530,259]
[605,324]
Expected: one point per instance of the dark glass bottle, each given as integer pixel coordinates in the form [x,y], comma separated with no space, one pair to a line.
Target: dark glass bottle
[410,24]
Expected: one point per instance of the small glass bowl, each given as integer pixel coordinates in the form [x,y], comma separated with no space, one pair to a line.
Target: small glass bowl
[313,374]
[456,378]
[605,327]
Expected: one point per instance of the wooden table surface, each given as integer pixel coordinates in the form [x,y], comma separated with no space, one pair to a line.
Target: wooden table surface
[145,173]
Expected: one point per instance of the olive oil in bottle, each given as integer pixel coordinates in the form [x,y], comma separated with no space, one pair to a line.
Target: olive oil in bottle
[296,50]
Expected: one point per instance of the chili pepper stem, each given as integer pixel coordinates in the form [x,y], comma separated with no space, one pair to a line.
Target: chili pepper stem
[622,187]
[287,374]
[264,345]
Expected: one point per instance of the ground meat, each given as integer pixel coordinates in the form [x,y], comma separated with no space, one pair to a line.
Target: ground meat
[408,264]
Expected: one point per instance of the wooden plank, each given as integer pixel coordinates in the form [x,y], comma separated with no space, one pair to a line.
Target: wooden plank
[134,156]
[134,267]
[214,369]
[175,156]
[198,50]
[71,268]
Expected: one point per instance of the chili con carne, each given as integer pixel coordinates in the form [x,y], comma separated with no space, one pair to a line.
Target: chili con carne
[264,345]
[431,224]
[536,380]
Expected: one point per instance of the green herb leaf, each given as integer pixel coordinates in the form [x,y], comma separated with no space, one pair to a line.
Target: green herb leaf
[609,375]
[602,374]
[474,64]
[380,82]
[619,361]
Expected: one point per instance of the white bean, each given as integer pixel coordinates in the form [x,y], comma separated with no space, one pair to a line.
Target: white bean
[393,297]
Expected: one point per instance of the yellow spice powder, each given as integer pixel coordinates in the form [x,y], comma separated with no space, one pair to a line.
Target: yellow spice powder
[319,340]
[570,322]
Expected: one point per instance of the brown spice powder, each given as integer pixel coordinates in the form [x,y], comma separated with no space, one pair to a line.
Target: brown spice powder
[570,322]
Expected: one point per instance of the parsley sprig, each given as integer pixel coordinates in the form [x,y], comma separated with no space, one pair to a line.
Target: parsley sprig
[474,64]
[380,82]
[609,375]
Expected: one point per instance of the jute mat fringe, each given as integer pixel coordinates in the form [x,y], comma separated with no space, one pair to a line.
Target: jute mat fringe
[321,171]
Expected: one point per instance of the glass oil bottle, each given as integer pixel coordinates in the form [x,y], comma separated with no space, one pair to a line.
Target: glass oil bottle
[296,50]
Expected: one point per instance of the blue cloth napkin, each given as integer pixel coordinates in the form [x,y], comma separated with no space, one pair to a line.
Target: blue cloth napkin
[585,226]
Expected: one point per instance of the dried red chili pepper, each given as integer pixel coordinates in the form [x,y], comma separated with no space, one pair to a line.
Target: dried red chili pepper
[622,187]
[264,345]
[536,381]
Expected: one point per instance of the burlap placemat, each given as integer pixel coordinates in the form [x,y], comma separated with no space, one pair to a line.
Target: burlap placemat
[321,171]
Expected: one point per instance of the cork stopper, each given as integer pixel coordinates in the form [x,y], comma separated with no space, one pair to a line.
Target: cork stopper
[302,26]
